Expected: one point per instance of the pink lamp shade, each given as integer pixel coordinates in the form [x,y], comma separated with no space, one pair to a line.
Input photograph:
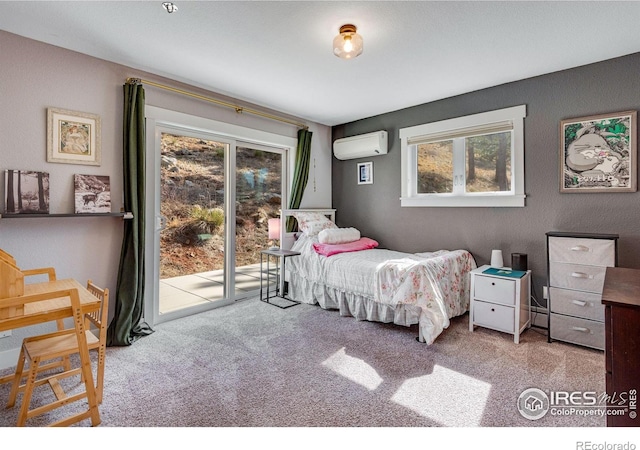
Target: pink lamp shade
[274,229]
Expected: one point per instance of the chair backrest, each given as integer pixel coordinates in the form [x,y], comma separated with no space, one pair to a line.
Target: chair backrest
[11,280]
[99,318]
[7,257]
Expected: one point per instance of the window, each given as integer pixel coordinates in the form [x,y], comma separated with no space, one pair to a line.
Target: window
[475,160]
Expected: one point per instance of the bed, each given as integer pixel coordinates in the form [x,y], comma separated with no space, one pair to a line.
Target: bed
[375,284]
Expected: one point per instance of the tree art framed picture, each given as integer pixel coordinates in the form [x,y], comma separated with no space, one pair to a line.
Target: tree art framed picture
[599,153]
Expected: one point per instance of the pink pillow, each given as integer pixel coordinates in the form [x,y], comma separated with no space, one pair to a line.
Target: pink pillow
[334,249]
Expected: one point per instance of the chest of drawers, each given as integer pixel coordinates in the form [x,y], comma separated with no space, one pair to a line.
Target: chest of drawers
[621,297]
[576,268]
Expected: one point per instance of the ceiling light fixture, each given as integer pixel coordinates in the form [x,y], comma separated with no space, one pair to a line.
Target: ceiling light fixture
[348,44]
[169,7]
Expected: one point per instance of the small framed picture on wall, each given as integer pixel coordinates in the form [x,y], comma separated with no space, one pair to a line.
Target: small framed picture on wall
[73,137]
[365,173]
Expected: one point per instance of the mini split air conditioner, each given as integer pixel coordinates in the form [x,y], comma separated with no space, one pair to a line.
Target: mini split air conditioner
[362,146]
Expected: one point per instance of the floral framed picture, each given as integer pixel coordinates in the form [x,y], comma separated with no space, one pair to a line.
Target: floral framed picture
[365,173]
[73,137]
[599,153]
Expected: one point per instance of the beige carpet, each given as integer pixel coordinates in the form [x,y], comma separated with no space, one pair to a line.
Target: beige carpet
[254,365]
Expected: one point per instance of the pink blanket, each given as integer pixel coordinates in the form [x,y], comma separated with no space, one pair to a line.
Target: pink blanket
[333,249]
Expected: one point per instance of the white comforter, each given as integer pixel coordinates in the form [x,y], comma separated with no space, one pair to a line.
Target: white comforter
[431,286]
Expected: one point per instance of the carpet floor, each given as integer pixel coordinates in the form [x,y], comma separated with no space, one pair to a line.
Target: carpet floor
[254,365]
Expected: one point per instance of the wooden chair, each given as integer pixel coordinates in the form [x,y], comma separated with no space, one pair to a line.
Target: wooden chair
[12,277]
[38,349]
[7,257]
[12,285]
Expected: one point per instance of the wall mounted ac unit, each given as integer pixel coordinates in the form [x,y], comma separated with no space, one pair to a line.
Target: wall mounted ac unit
[362,146]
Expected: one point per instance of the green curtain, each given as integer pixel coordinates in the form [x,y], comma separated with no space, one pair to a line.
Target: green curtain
[127,324]
[300,173]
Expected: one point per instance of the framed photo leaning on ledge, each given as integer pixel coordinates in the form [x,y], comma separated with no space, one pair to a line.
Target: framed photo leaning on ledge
[365,173]
[73,137]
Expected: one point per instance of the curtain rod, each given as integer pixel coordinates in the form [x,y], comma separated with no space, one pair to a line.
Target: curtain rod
[238,109]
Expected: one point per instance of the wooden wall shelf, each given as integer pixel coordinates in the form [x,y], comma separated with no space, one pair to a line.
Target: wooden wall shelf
[124,215]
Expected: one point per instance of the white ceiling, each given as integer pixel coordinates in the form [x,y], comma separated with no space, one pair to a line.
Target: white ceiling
[279,54]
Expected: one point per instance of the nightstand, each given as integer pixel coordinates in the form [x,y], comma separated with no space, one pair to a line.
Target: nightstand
[279,292]
[500,302]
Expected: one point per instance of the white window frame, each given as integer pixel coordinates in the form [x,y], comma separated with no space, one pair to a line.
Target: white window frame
[468,126]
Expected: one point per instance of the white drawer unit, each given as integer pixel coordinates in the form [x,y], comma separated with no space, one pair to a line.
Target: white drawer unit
[500,303]
[576,266]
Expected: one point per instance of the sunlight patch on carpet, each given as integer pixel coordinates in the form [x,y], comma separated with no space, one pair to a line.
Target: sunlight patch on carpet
[447,397]
[353,369]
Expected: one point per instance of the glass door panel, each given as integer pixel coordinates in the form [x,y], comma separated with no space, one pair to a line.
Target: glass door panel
[259,192]
[192,236]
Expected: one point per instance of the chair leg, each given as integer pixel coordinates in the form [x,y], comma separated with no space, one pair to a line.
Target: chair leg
[90,389]
[28,392]
[66,362]
[100,373]
[17,379]
[91,398]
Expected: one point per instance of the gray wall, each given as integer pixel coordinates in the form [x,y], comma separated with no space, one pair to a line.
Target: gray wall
[609,86]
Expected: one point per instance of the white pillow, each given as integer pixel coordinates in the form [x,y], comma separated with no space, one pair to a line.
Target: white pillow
[312,223]
[338,236]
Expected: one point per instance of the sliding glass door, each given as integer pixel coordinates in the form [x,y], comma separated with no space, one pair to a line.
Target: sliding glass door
[212,198]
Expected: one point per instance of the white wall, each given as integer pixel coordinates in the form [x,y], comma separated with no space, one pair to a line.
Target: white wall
[34,76]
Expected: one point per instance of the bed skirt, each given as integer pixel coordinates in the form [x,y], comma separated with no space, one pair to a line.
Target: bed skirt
[353,304]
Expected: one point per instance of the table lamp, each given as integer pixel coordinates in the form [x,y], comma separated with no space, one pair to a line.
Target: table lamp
[274,232]
[496,259]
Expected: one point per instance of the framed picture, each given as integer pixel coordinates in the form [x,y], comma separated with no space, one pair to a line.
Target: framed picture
[365,173]
[599,153]
[27,192]
[91,194]
[73,137]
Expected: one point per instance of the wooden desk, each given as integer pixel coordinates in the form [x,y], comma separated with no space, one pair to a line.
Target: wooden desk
[50,309]
[47,310]
[621,297]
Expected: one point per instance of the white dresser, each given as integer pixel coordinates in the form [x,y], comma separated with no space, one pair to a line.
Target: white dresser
[500,303]
[576,267]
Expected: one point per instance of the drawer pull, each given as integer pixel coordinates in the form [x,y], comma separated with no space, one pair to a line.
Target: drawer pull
[580,275]
[493,310]
[580,248]
[579,302]
[582,329]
